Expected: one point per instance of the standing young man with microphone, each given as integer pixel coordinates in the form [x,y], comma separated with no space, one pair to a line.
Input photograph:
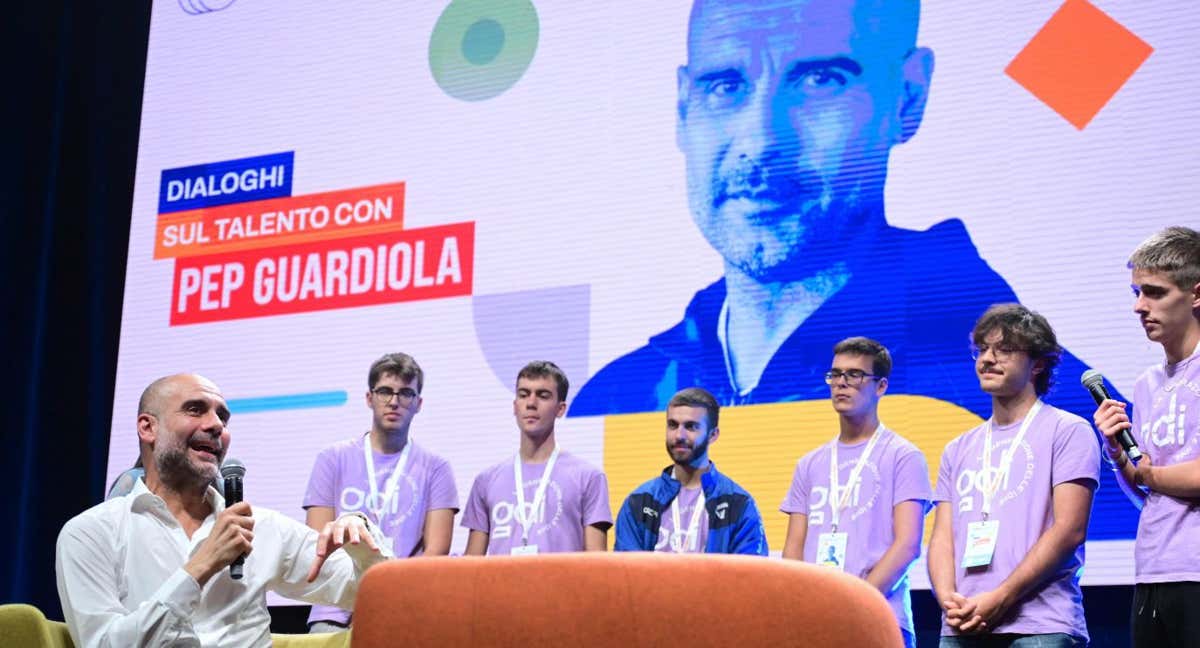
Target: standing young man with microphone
[1013,499]
[150,568]
[1165,484]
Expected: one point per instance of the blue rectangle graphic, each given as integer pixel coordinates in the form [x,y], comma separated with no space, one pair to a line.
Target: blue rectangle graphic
[226,182]
[287,402]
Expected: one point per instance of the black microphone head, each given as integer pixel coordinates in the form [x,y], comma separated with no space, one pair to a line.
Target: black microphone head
[233,467]
[1091,378]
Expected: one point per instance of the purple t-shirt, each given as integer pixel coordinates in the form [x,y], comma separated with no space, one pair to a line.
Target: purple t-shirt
[339,480]
[687,500]
[1166,411]
[576,497]
[1058,447]
[895,472]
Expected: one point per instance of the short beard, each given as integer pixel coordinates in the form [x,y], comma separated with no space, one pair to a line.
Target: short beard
[697,451]
[178,474]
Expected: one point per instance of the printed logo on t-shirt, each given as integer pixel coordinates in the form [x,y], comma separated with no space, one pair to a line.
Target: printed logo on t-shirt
[973,481]
[1170,430]
[861,499]
[504,520]
[396,509]
[679,539]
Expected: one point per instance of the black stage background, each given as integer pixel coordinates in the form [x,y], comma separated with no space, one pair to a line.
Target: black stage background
[71,120]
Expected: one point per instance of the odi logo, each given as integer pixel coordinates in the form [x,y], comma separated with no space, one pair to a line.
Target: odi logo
[197,7]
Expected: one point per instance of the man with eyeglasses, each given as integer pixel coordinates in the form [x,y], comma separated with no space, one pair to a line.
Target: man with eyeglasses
[543,499]
[1013,499]
[858,503]
[690,507]
[406,490]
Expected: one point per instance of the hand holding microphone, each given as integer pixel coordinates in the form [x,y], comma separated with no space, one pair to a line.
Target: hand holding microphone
[232,534]
[1110,417]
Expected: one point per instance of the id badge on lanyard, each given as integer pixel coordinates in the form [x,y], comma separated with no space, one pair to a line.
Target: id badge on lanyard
[525,517]
[983,535]
[831,546]
[378,502]
[831,550]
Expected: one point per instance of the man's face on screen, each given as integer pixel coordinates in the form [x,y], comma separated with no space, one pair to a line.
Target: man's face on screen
[191,437]
[393,410]
[786,114]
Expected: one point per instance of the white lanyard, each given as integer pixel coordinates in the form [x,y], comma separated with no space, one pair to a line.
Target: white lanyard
[990,487]
[693,526]
[838,503]
[389,490]
[538,495]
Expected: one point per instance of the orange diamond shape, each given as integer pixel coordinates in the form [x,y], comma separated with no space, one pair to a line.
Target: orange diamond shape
[1078,61]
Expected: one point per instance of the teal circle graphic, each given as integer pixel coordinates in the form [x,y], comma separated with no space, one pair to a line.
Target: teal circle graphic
[483,42]
[481,48]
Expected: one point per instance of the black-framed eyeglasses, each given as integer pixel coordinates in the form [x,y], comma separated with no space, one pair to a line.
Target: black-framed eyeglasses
[853,377]
[385,395]
[1000,352]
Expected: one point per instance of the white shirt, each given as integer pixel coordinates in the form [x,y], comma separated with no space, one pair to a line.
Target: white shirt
[121,579]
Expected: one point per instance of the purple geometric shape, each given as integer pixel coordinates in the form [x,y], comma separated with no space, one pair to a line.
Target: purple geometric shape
[541,324]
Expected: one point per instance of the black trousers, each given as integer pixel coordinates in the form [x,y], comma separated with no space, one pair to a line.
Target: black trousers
[1166,615]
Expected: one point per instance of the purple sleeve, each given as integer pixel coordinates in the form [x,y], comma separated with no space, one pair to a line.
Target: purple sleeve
[596,511]
[443,493]
[796,500]
[1076,453]
[912,478]
[475,516]
[944,490]
[322,482]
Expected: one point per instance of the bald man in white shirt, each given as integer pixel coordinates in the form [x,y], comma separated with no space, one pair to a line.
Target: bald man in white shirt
[149,568]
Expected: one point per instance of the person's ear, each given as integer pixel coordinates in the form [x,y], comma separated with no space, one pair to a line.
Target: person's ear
[147,428]
[916,74]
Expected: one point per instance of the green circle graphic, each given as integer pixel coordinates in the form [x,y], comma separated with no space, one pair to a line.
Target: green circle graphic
[480,48]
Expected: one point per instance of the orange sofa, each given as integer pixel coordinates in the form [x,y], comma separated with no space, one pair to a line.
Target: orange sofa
[618,600]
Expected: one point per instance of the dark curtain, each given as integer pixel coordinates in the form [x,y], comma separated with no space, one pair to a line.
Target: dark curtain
[72,104]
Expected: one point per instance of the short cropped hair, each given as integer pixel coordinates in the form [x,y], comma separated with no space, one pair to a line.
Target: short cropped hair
[697,397]
[1024,329]
[881,358]
[546,369]
[1174,252]
[400,365]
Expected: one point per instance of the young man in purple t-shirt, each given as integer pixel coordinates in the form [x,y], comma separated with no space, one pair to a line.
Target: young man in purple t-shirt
[1013,499]
[867,516]
[405,489]
[562,502]
[1165,484]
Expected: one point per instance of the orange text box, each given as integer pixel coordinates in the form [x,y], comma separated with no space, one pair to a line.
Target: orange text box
[280,221]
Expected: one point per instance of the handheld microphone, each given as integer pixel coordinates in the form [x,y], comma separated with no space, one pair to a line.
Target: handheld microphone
[1094,382]
[233,470]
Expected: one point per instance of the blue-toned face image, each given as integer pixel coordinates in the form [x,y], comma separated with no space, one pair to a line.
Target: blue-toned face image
[787,112]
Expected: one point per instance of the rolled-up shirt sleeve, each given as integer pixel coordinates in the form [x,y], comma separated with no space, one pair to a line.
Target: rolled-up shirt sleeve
[86,569]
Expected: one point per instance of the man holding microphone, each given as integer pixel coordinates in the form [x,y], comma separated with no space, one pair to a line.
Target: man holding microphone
[1165,483]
